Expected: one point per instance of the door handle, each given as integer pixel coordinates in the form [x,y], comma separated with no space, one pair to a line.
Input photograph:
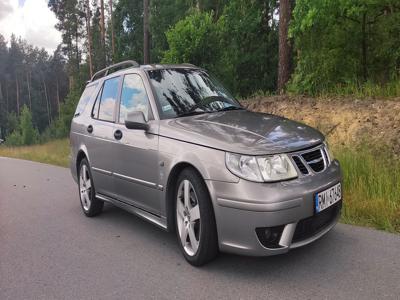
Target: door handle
[118,134]
[90,129]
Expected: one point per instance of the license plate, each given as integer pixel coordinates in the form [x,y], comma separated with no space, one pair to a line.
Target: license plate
[328,197]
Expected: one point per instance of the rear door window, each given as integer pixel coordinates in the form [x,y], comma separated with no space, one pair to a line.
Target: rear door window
[134,97]
[108,99]
[84,100]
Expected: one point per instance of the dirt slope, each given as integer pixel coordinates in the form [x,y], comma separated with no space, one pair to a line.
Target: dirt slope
[346,121]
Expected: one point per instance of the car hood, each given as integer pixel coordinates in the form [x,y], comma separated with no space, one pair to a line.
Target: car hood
[242,131]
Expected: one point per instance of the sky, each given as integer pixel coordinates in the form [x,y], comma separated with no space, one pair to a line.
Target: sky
[30,19]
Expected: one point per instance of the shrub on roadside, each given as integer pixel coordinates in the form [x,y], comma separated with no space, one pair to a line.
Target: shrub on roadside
[24,132]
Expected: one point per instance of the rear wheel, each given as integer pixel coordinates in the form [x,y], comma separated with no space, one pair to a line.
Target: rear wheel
[90,205]
[195,221]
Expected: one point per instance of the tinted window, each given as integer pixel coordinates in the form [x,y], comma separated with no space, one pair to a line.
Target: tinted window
[108,99]
[83,101]
[134,97]
[180,91]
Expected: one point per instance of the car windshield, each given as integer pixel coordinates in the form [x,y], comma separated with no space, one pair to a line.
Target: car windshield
[182,92]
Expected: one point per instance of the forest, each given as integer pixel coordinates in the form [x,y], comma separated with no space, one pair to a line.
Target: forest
[256,47]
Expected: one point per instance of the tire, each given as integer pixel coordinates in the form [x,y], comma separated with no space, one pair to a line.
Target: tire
[194,219]
[91,206]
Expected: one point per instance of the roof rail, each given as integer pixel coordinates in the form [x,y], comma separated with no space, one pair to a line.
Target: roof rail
[105,71]
[189,65]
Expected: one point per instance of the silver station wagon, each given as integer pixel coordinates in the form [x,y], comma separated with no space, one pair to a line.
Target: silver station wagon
[170,144]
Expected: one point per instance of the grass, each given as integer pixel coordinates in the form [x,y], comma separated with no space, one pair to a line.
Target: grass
[363,90]
[371,181]
[55,152]
[371,188]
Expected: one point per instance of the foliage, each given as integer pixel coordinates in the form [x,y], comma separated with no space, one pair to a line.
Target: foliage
[60,128]
[12,122]
[70,17]
[24,133]
[345,42]
[128,27]
[30,76]
[372,196]
[193,39]
[240,47]
[345,47]
[249,43]
[164,14]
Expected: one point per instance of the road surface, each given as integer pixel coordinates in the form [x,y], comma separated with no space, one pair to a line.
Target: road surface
[49,250]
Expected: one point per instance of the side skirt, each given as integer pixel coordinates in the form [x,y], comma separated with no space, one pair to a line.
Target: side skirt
[157,220]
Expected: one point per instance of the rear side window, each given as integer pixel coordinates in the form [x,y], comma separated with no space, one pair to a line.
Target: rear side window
[134,97]
[84,100]
[108,99]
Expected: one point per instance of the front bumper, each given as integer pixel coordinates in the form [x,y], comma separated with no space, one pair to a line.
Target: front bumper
[240,208]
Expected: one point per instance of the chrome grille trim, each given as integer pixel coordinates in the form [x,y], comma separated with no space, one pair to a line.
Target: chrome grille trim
[298,158]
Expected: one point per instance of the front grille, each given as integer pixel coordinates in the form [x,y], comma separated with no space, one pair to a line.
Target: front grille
[302,168]
[315,160]
[308,227]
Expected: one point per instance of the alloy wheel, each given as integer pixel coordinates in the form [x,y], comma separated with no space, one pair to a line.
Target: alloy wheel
[188,217]
[85,187]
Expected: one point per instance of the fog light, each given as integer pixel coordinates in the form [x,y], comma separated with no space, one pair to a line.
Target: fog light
[269,236]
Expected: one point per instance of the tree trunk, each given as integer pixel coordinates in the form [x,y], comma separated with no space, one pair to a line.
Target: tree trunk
[17,90]
[146,30]
[103,30]
[364,47]
[71,82]
[28,80]
[47,100]
[58,99]
[1,93]
[285,47]
[89,38]
[112,30]
[77,49]
[7,106]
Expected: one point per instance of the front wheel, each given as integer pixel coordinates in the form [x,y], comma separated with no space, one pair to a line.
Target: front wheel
[91,206]
[195,221]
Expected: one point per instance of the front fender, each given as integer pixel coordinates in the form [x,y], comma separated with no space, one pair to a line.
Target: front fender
[210,163]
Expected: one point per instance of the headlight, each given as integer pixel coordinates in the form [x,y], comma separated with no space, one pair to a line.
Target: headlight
[329,152]
[243,166]
[267,168]
[277,167]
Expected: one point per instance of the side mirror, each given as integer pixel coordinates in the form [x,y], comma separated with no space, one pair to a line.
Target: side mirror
[136,120]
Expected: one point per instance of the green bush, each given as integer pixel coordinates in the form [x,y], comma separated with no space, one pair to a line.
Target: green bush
[193,39]
[60,128]
[237,47]
[14,139]
[12,122]
[24,133]
[334,52]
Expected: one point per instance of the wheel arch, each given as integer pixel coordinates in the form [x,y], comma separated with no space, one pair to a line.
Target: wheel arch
[170,190]
[82,153]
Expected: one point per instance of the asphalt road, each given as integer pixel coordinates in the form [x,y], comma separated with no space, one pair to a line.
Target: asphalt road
[49,250]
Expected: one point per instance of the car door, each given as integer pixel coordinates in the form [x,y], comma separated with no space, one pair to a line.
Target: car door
[136,157]
[101,136]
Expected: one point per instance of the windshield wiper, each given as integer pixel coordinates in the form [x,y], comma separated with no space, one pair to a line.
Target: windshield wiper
[231,108]
[191,113]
